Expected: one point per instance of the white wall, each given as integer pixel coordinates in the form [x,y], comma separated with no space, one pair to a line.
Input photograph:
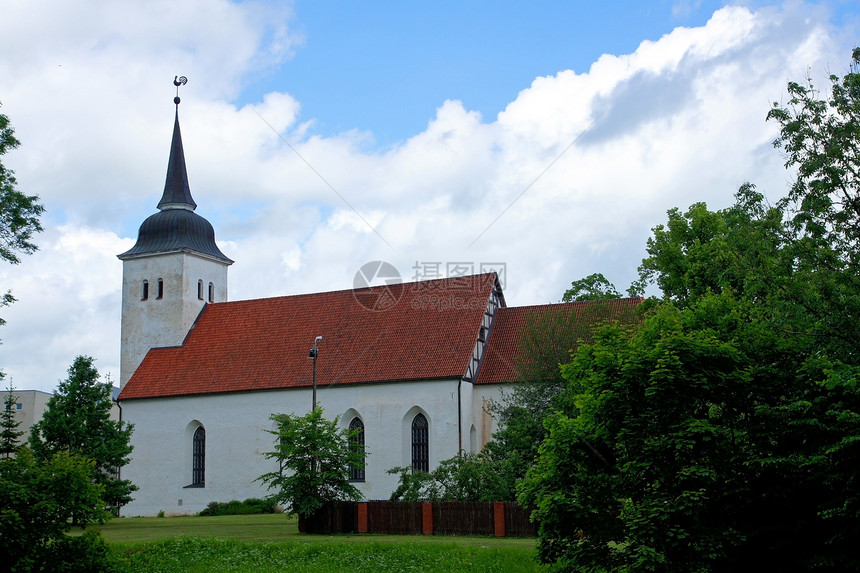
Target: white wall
[236,438]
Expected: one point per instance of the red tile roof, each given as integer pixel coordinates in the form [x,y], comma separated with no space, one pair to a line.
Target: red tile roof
[428,333]
[500,359]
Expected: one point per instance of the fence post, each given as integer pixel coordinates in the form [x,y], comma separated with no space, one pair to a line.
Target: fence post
[499,518]
[427,518]
[362,517]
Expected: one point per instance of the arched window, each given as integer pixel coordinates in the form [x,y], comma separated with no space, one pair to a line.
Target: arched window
[356,443]
[160,288]
[211,292]
[200,289]
[420,444]
[145,293]
[198,458]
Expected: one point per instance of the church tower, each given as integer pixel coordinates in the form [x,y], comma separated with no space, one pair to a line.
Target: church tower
[173,270]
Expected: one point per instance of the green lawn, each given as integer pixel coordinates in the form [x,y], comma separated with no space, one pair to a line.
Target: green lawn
[270,543]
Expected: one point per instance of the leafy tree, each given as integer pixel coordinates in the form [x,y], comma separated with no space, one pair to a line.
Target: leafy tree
[314,458]
[38,502]
[470,477]
[9,433]
[19,213]
[77,420]
[546,342]
[592,287]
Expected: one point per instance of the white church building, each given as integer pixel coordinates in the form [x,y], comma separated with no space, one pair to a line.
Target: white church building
[411,365]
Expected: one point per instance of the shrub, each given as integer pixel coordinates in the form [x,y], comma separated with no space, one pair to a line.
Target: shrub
[250,506]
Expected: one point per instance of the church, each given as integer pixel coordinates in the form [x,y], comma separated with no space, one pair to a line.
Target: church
[412,366]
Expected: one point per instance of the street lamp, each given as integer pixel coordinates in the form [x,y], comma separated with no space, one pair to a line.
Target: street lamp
[314,352]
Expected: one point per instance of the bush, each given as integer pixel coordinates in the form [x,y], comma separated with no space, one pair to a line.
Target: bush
[250,506]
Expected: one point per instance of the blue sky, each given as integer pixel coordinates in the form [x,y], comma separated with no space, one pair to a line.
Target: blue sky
[557,134]
[384,67]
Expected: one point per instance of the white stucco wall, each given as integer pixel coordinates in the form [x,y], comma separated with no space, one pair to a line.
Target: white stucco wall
[236,438]
[165,321]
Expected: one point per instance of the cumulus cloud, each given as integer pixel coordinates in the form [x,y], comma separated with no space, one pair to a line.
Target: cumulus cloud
[567,180]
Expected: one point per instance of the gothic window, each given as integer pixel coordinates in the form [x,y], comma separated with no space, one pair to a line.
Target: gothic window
[198,458]
[356,443]
[420,444]
[200,289]
[211,292]
[145,294]
[160,288]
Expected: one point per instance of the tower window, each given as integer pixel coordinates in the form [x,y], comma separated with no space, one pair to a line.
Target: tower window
[200,289]
[160,288]
[211,292]
[145,294]
[420,444]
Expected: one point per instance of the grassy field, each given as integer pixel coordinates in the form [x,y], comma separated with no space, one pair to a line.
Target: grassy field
[270,543]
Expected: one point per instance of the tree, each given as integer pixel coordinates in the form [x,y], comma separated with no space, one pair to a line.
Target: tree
[19,213]
[592,287]
[469,477]
[546,342]
[314,458]
[77,420]
[9,433]
[38,503]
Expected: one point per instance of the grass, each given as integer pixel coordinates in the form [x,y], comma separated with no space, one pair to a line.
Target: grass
[270,543]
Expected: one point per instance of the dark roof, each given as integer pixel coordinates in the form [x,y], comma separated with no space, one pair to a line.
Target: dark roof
[500,359]
[176,230]
[427,332]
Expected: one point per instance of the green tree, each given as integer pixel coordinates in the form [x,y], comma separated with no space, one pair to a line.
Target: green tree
[19,213]
[469,477]
[546,341]
[592,287]
[9,432]
[314,458]
[38,503]
[77,420]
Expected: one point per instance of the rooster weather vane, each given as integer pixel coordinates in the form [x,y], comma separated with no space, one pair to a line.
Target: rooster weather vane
[178,81]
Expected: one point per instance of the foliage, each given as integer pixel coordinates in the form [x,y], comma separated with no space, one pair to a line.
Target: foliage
[9,432]
[546,342]
[19,213]
[592,287]
[470,477]
[315,457]
[343,553]
[250,506]
[38,502]
[77,420]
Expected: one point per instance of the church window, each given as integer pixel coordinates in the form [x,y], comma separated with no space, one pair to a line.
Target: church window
[211,292]
[420,444]
[198,459]
[356,444]
[160,288]
[200,289]
[145,294]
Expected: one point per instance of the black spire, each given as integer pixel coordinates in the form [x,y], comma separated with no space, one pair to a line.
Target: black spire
[177,194]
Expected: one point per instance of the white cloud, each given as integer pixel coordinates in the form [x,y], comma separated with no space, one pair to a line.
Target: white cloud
[566,181]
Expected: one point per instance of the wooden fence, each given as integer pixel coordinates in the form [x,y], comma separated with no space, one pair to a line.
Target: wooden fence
[500,519]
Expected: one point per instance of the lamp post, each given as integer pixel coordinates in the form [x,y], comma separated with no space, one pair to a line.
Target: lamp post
[314,352]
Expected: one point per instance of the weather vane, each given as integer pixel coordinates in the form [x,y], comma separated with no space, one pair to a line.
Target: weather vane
[178,81]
